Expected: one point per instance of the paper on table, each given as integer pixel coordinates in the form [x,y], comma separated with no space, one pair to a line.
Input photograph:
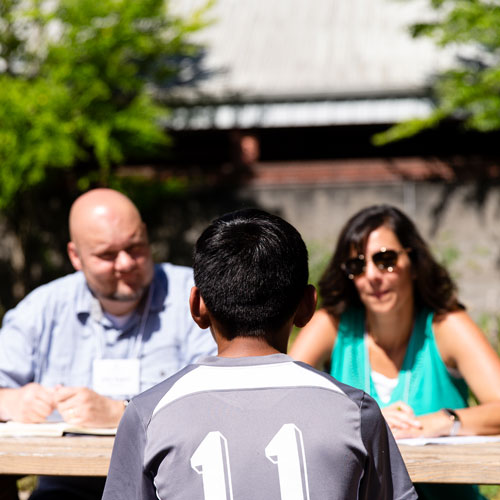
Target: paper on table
[18,429]
[448,440]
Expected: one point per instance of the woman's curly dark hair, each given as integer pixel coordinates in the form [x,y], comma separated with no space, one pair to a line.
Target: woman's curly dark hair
[433,286]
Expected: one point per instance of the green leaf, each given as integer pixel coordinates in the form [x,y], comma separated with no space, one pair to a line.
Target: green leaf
[78,85]
[470,91]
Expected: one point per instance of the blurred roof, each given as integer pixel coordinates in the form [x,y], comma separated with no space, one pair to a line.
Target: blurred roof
[308,62]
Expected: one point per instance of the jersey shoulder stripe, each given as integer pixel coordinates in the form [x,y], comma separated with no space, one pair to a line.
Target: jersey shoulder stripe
[225,378]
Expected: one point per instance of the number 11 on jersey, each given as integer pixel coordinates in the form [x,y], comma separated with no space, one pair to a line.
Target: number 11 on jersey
[285,450]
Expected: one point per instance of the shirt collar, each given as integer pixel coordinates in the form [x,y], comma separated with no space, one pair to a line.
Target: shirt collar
[160,299]
[84,297]
[161,296]
[245,361]
[88,305]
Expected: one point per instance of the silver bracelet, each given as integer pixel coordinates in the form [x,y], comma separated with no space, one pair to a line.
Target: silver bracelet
[455,419]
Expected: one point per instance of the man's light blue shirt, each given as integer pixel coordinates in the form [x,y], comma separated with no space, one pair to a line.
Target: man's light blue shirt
[54,335]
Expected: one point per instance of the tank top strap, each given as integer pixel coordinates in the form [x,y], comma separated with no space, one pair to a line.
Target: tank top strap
[348,362]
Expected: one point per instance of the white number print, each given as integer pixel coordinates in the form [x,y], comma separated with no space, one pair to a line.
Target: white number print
[286,450]
[211,460]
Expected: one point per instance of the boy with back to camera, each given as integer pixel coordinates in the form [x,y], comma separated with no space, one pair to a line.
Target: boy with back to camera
[250,423]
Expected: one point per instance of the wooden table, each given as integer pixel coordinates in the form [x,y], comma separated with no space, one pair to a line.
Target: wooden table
[463,463]
[56,456]
[89,456]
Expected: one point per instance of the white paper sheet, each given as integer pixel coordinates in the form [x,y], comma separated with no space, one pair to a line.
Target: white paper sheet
[448,440]
[18,429]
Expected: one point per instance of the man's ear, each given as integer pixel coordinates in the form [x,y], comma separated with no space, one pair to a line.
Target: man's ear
[74,257]
[307,306]
[199,310]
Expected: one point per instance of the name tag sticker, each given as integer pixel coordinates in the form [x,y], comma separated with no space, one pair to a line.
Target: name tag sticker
[116,377]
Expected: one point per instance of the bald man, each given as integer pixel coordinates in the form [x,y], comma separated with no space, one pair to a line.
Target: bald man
[79,347]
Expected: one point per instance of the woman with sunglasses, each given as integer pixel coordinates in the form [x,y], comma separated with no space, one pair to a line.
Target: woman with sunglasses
[390,324]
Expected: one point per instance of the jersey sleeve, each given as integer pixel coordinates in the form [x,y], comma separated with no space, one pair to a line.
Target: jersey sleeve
[385,475]
[126,477]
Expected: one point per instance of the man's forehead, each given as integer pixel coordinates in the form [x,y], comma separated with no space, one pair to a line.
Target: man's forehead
[118,236]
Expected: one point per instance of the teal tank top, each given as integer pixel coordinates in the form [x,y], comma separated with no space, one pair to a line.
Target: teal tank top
[424,382]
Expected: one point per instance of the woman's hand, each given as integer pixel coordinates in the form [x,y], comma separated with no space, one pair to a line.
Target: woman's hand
[431,425]
[401,417]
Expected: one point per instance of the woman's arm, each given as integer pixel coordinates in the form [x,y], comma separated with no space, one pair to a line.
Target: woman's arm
[463,346]
[315,341]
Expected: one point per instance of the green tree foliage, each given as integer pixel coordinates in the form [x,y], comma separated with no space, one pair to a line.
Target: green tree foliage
[78,80]
[470,91]
[81,83]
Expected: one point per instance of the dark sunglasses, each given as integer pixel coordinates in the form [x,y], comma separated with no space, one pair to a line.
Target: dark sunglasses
[385,260]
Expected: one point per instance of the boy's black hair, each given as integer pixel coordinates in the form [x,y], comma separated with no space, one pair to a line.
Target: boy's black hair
[251,269]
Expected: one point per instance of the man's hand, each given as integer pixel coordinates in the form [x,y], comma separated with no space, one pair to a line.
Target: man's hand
[31,403]
[83,406]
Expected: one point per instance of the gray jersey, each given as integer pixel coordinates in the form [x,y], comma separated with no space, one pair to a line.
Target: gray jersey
[256,428]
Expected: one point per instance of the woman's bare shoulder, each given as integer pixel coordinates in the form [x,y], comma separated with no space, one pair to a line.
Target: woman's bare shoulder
[457,337]
[452,322]
[315,341]
[323,318]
